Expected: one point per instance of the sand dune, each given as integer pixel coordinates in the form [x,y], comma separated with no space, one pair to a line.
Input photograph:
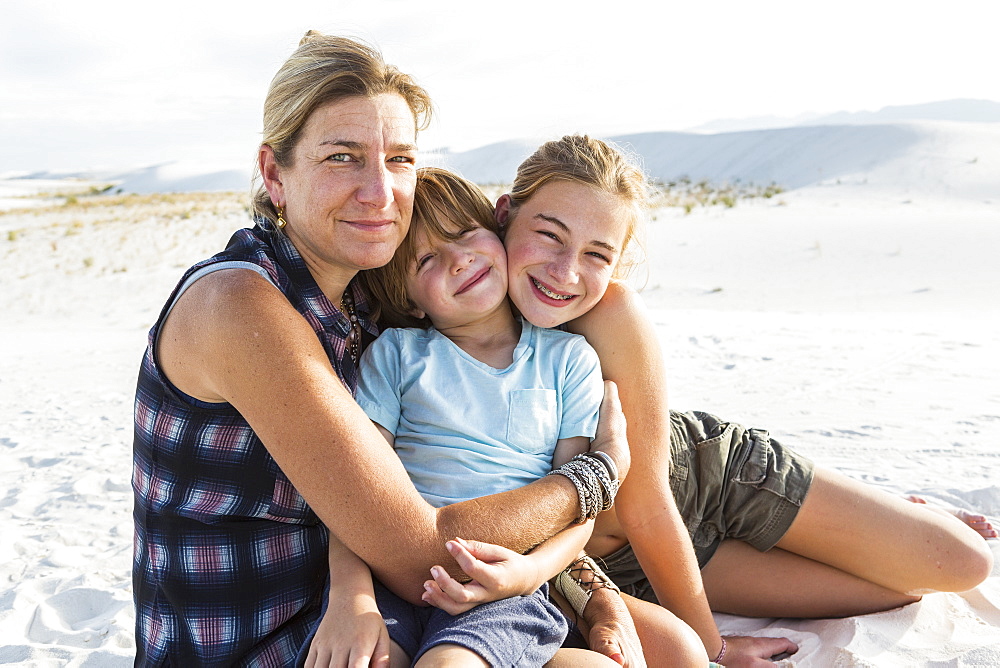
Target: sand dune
[949,148]
[928,157]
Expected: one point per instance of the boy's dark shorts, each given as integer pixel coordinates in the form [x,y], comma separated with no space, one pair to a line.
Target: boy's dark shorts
[518,631]
[728,482]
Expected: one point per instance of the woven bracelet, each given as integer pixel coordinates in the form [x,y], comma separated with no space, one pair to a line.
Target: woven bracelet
[585,501]
[608,485]
[722,652]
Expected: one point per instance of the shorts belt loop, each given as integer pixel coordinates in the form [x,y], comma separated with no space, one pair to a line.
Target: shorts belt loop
[761,435]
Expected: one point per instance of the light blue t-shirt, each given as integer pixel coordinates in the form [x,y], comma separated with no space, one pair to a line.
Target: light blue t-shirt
[464,429]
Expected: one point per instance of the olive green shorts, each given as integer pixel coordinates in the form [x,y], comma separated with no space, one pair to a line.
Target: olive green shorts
[728,482]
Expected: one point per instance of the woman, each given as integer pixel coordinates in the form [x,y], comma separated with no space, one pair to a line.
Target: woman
[840,547]
[248,445]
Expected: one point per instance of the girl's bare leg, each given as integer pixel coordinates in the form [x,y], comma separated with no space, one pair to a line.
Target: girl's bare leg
[852,549]
[397,657]
[666,640]
[741,580]
[885,539]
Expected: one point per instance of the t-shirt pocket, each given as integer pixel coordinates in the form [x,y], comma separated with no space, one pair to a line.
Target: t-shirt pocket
[533,420]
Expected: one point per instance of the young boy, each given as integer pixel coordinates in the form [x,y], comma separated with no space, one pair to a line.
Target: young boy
[474,401]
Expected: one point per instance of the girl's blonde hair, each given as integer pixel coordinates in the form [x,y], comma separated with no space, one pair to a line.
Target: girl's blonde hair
[325,69]
[595,163]
[445,205]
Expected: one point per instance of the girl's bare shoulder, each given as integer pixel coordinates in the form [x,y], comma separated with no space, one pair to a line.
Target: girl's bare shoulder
[621,305]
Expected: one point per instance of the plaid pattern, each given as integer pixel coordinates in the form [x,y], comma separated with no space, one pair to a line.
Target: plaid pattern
[230,561]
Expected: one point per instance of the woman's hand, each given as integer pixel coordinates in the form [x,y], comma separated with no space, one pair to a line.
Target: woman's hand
[496,573]
[753,652]
[611,427]
[610,629]
[351,633]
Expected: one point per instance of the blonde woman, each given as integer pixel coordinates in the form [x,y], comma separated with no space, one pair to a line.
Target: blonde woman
[248,444]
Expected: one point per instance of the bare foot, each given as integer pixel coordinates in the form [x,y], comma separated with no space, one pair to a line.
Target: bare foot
[976,521]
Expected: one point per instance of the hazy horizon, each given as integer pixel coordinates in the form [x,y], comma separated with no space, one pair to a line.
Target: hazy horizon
[109,84]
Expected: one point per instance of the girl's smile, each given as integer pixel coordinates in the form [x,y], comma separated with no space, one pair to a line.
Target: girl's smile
[563,245]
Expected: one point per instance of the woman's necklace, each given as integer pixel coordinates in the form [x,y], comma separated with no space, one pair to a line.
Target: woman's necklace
[354,337]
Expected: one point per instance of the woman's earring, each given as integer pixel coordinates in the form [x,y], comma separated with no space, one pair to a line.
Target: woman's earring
[281,218]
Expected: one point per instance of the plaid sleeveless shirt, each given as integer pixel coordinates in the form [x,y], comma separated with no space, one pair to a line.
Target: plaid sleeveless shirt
[230,562]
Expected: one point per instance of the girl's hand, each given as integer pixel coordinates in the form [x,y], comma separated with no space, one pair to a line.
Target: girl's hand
[610,437]
[610,629]
[352,634]
[754,652]
[496,573]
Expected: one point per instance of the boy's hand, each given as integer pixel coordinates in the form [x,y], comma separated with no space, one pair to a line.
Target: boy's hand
[351,633]
[496,573]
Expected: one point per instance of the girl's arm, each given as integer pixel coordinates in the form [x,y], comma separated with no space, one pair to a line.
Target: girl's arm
[352,631]
[232,337]
[620,331]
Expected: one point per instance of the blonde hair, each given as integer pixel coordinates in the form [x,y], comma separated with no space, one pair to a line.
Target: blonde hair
[595,163]
[325,69]
[445,205]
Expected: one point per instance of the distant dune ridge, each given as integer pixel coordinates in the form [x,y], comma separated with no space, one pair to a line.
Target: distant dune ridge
[968,111]
[949,148]
[944,149]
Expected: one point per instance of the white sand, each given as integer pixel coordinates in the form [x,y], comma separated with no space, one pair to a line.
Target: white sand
[860,328]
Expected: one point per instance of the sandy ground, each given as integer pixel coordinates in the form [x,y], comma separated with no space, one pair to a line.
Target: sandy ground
[860,326]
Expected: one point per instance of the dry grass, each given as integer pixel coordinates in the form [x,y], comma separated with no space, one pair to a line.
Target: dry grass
[99,200]
[684,194]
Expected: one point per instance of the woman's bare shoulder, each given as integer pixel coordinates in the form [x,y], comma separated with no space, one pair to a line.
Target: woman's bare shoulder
[215,319]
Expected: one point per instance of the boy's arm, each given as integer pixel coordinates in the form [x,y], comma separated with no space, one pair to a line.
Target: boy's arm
[352,628]
[567,448]
[501,573]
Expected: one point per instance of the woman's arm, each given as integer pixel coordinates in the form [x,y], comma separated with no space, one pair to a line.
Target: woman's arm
[620,331]
[233,337]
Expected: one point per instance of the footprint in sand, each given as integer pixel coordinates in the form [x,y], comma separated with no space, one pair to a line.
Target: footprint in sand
[78,617]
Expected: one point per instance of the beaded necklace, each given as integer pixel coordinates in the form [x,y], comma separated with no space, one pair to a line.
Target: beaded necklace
[354,338]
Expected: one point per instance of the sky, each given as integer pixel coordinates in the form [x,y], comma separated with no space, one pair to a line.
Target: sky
[110,84]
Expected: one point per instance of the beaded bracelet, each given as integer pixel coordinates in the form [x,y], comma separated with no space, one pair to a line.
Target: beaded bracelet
[608,462]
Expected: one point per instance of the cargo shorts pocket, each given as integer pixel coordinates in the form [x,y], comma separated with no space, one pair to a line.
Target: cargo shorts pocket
[532,420]
[753,469]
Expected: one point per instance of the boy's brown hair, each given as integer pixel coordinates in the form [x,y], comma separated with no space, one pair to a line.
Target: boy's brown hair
[444,206]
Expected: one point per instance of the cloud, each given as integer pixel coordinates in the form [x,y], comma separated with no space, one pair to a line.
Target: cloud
[34,48]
